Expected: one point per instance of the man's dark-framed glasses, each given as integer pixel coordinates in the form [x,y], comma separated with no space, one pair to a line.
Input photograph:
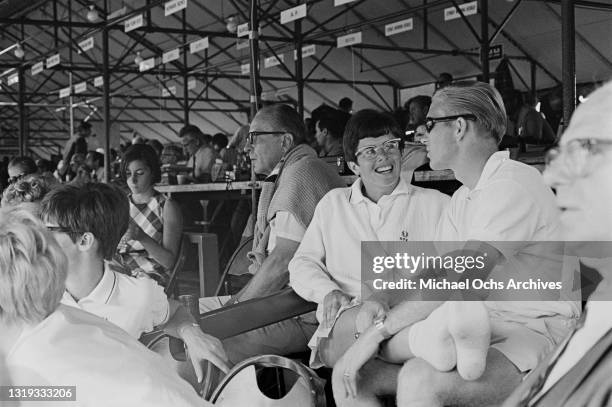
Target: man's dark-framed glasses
[430,122]
[60,229]
[252,134]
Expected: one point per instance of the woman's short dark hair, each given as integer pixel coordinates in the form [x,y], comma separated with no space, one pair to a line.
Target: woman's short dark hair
[144,153]
[367,123]
[97,208]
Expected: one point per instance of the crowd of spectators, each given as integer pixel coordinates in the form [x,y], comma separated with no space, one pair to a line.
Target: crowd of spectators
[84,264]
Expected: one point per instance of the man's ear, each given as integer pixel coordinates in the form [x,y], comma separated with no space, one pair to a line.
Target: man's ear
[460,129]
[287,142]
[353,167]
[86,241]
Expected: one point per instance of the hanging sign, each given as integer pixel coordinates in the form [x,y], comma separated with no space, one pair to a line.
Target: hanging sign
[191,84]
[242,30]
[64,92]
[293,14]
[242,44]
[14,78]
[398,27]
[341,2]
[468,9]
[198,45]
[173,6]
[349,40]
[53,60]
[117,13]
[166,92]
[245,69]
[273,61]
[86,45]
[147,64]
[133,23]
[496,52]
[170,56]
[98,81]
[307,51]
[37,68]
[80,87]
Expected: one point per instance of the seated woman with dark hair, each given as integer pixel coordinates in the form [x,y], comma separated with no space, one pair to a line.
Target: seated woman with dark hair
[44,343]
[151,244]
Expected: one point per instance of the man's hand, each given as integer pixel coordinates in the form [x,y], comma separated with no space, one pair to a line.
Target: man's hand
[369,311]
[331,304]
[201,346]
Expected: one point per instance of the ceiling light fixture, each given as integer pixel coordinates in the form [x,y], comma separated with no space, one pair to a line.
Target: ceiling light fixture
[92,14]
[231,24]
[138,60]
[19,52]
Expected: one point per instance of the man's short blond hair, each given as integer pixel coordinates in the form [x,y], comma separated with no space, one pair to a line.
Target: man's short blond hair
[32,268]
[477,98]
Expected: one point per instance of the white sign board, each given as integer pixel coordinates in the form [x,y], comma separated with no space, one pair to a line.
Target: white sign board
[307,51]
[273,61]
[64,92]
[242,30]
[341,2]
[198,45]
[166,92]
[170,56]
[133,23]
[80,87]
[53,60]
[399,27]
[37,68]
[348,40]
[191,84]
[86,45]
[173,6]
[242,44]
[14,78]
[98,81]
[293,14]
[245,69]
[468,9]
[147,64]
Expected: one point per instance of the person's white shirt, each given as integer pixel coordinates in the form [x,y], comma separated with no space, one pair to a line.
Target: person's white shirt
[329,256]
[136,305]
[510,203]
[108,367]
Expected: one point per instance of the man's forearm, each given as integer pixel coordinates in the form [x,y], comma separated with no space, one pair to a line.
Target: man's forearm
[270,278]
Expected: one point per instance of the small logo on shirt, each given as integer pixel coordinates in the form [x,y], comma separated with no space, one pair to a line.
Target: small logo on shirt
[404,236]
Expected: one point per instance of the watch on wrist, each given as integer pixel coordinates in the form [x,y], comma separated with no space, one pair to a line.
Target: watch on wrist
[379,323]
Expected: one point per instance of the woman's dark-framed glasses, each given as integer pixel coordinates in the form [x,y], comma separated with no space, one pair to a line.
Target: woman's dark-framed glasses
[430,122]
[252,134]
[370,152]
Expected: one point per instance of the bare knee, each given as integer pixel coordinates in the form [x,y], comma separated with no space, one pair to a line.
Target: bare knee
[417,377]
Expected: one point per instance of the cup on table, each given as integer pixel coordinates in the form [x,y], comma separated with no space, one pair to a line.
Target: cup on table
[181,179]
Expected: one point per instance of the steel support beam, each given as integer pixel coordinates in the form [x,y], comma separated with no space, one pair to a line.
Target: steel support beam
[568,43]
[484,38]
[23,135]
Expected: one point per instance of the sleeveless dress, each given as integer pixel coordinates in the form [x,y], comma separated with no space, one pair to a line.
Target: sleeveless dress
[133,257]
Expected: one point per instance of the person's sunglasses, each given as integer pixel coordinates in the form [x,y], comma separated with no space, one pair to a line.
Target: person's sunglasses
[252,134]
[430,122]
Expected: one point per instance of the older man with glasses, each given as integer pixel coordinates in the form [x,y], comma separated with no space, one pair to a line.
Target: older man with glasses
[578,372]
[295,182]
